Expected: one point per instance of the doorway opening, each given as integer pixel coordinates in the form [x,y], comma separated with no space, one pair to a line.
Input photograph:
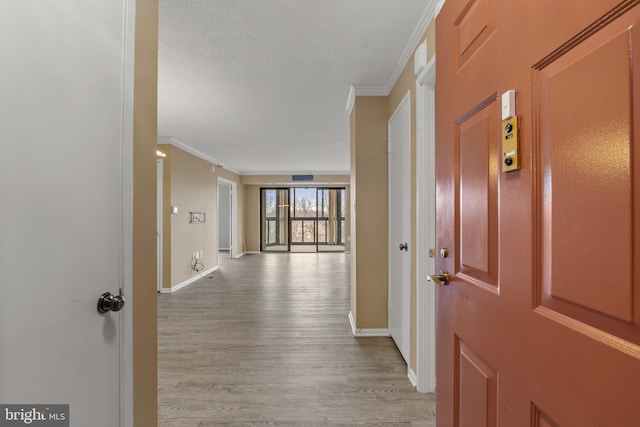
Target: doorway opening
[227,224]
[303,219]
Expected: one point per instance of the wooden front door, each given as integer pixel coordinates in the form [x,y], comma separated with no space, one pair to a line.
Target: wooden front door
[539,325]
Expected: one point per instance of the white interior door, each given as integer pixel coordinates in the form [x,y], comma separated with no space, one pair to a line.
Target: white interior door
[400,244]
[160,219]
[227,208]
[65,135]
[224,216]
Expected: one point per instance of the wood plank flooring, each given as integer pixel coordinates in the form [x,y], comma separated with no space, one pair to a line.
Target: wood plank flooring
[266,340]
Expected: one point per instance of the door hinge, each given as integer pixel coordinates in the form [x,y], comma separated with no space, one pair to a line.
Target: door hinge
[432,253]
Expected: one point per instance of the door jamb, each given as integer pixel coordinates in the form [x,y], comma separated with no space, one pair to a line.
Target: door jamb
[160,220]
[233,231]
[425,227]
[126,332]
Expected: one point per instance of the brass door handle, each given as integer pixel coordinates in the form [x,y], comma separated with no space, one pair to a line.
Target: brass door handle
[439,280]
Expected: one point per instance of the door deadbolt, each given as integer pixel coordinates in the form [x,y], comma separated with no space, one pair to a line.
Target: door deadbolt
[109,302]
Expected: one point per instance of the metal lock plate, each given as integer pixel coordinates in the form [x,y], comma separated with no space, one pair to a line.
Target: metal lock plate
[510,144]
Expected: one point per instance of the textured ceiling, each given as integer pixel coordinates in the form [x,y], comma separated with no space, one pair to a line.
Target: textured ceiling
[261,86]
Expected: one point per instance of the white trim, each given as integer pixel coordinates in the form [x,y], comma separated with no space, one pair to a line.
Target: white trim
[366,332]
[427,76]
[159,222]
[189,281]
[425,228]
[126,316]
[233,215]
[252,252]
[406,99]
[428,14]
[370,90]
[421,26]
[181,145]
[351,99]
[242,254]
[413,378]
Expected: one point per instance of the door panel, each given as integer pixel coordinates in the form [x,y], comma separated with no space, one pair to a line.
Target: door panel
[585,97]
[477,194]
[399,303]
[557,336]
[540,419]
[64,138]
[477,389]
[473,27]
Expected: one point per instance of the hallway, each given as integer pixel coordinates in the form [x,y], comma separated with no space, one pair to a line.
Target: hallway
[266,340]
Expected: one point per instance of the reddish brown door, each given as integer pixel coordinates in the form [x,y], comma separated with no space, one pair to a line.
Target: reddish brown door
[540,324]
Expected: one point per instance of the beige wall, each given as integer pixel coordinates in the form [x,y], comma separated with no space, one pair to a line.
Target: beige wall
[370,232]
[145,339]
[318,180]
[193,189]
[253,183]
[252,218]
[189,185]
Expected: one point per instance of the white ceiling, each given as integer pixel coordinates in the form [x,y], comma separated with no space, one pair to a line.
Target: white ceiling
[261,86]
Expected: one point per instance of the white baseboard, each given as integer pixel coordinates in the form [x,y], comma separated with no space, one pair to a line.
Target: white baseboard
[413,378]
[188,281]
[240,255]
[366,332]
[252,252]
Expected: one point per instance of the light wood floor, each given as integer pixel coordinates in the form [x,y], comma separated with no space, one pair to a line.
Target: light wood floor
[266,340]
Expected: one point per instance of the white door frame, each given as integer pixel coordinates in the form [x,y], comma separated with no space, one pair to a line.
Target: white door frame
[233,230]
[160,219]
[425,228]
[404,345]
[126,322]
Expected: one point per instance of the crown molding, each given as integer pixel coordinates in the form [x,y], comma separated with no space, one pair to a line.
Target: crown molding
[181,145]
[370,90]
[428,14]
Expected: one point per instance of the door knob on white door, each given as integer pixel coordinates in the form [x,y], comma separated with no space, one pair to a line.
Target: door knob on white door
[109,302]
[404,246]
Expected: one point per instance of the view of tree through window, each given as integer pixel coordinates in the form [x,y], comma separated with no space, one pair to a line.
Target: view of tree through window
[304,216]
[304,206]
